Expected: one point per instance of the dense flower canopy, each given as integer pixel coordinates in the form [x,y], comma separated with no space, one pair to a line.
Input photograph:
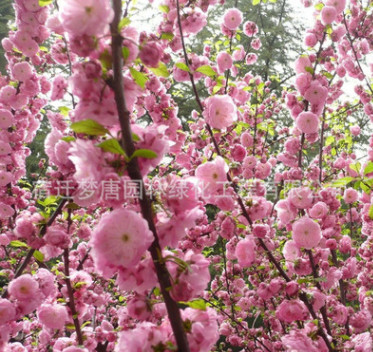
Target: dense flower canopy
[186,203]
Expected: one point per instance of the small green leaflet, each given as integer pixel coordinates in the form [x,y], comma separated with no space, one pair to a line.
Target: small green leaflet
[370,212]
[124,22]
[206,70]
[256,2]
[68,139]
[125,53]
[43,3]
[199,304]
[18,244]
[64,110]
[343,181]
[161,70]
[144,153]
[139,77]
[164,8]
[90,127]
[182,66]
[355,167]
[167,35]
[112,146]
[369,168]
[38,256]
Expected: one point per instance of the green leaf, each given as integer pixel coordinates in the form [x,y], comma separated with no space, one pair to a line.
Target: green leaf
[43,3]
[144,153]
[161,70]
[64,110]
[167,35]
[355,167]
[206,70]
[48,201]
[139,77]
[72,206]
[18,244]
[125,52]
[369,168]
[309,70]
[124,22]
[182,66]
[111,146]
[68,139]
[164,8]
[370,212]
[319,6]
[39,256]
[199,304]
[343,181]
[90,127]
[256,2]
[135,137]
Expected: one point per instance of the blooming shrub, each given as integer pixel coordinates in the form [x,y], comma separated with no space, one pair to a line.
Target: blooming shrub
[249,227]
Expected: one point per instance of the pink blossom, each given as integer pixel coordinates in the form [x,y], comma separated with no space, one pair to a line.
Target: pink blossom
[260,231]
[46,282]
[298,341]
[232,19]
[7,311]
[250,28]
[328,14]
[59,88]
[285,211]
[5,148]
[301,64]
[6,211]
[316,93]
[53,316]
[308,122]
[213,171]
[121,239]
[22,71]
[225,61]
[24,288]
[291,251]
[90,17]
[290,311]
[355,130]
[306,233]
[363,342]
[319,210]
[246,139]
[150,54]
[301,197]
[6,119]
[310,40]
[141,338]
[204,329]
[220,111]
[193,21]
[361,321]
[338,4]
[245,252]
[5,178]
[251,59]
[256,44]
[57,236]
[350,196]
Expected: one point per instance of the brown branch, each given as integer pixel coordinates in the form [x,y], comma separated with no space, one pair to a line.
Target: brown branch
[31,252]
[163,275]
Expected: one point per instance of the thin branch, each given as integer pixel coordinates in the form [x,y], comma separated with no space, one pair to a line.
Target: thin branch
[163,275]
